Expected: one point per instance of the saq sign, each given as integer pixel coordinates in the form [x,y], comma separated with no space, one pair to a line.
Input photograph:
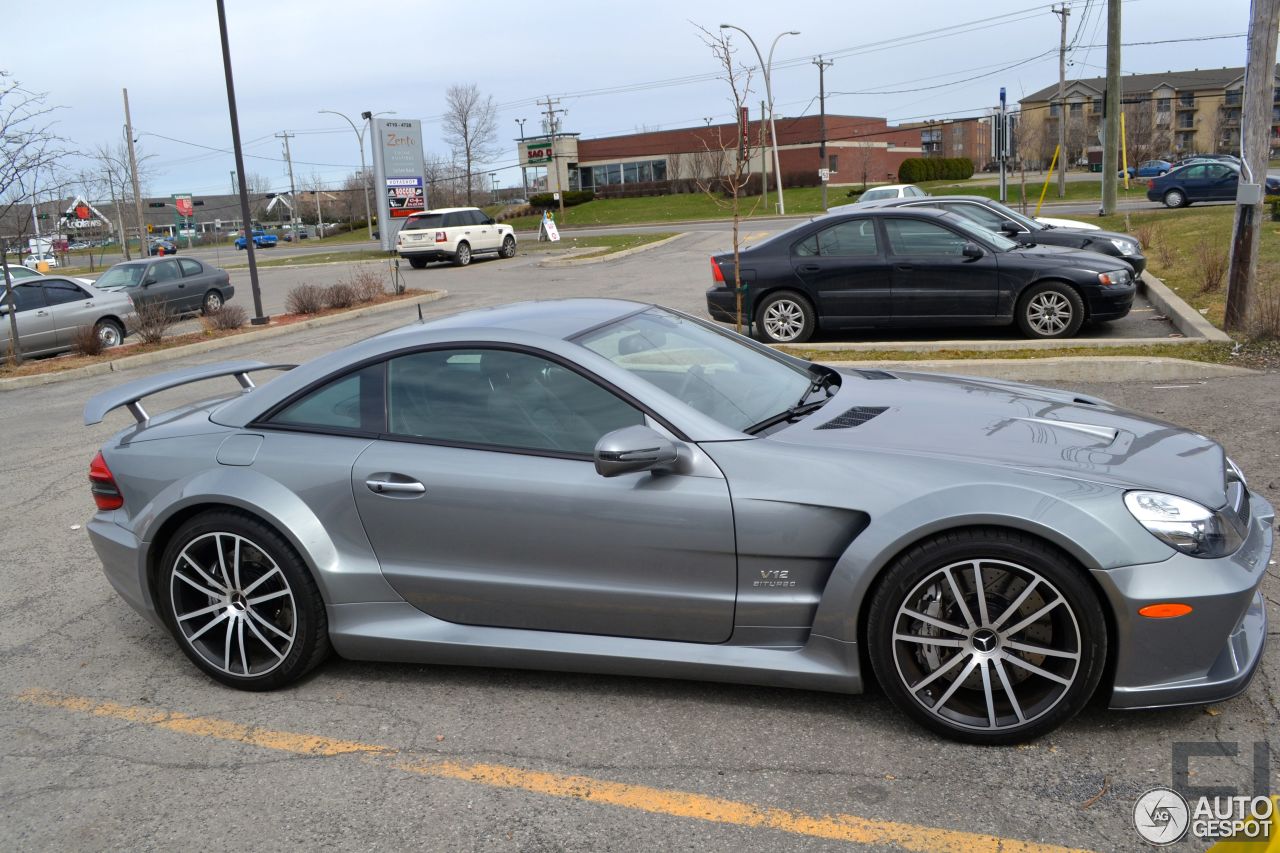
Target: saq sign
[399,173]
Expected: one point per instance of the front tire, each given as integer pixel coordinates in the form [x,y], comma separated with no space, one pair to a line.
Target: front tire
[785,317]
[508,249]
[240,602]
[462,256]
[1175,198]
[109,332]
[1050,310]
[1003,667]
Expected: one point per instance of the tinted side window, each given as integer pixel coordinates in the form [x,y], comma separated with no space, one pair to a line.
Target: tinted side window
[28,296]
[500,398]
[1217,172]
[977,213]
[476,217]
[1194,172]
[166,271]
[453,220]
[807,248]
[351,402]
[856,238]
[59,292]
[915,237]
[190,267]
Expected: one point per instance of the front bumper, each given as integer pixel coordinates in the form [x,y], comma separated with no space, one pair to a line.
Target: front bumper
[1110,303]
[1211,653]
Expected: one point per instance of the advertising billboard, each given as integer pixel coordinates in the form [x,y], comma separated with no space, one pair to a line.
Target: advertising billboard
[399,174]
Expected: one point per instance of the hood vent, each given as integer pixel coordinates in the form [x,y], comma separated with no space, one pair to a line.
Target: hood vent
[875,374]
[856,416]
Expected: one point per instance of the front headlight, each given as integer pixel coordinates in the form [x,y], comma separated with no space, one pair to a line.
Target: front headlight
[1183,524]
[1126,247]
[1114,278]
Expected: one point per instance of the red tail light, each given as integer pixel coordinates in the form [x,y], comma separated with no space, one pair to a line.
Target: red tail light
[441,237]
[1151,184]
[106,494]
[716,274]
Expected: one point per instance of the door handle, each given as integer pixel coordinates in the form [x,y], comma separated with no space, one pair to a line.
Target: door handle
[904,267]
[810,268]
[382,486]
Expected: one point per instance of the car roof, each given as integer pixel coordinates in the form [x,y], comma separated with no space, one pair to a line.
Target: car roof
[442,210]
[880,206]
[554,318]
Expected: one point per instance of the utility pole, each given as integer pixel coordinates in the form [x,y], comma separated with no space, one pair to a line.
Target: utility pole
[764,161]
[1255,133]
[552,127]
[137,191]
[1111,111]
[293,193]
[1002,146]
[1062,12]
[319,217]
[524,170]
[823,166]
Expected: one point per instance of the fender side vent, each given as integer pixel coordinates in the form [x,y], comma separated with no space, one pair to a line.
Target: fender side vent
[875,374]
[856,416]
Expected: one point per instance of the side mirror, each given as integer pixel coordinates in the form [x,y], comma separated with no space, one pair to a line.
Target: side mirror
[1009,228]
[634,448]
[973,250]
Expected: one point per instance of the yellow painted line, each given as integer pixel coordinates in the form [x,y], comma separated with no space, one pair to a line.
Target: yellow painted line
[642,798]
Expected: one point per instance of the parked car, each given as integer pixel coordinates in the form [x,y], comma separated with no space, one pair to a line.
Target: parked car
[169,247]
[33,260]
[1207,181]
[637,492]
[912,267]
[184,285]
[23,273]
[1000,219]
[891,191]
[51,309]
[454,234]
[1150,169]
[261,240]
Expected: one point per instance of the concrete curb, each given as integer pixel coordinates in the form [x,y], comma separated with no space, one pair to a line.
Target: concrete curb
[579,262]
[1188,320]
[1108,368]
[131,361]
[245,267]
[980,346]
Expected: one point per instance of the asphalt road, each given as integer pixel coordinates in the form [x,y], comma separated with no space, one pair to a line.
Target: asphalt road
[110,739]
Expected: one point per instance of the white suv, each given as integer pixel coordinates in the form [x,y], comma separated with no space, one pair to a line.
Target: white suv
[453,234]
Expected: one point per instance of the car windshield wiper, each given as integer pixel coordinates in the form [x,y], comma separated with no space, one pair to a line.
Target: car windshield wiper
[819,382]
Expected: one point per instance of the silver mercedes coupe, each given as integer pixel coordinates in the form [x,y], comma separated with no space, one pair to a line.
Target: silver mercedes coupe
[606,486]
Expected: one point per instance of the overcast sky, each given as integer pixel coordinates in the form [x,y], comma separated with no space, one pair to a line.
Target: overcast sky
[294,58]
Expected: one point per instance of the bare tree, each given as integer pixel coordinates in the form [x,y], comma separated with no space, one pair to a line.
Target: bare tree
[1029,142]
[730,169]
[470,127]
[27,145]
[864,153]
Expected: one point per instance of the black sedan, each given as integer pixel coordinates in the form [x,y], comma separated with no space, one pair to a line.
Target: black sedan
[911,267]
[996,217]
[1203,181]
[162,247]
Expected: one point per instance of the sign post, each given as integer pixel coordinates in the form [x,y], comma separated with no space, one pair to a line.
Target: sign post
[184,211]
[547,228]
[399,174]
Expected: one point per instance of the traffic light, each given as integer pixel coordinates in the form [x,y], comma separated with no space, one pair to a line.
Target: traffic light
[155,204]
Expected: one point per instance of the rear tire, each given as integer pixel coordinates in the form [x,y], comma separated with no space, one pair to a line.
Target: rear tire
[418,263]
[1175,198]
[1005,666]
[785,317]
[462,256]
[212,302]
[240,602]
[1050,310]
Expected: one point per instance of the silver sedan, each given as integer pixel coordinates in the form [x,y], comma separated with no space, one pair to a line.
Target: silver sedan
[50,310]
[606,486]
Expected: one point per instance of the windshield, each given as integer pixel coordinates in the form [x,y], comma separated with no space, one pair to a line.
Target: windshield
[704,367]
[982,235]
[124,275]
[873,195]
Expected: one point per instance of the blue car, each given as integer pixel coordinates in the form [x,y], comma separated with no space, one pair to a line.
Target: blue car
[261,240]
[1205,181]
[1150,169]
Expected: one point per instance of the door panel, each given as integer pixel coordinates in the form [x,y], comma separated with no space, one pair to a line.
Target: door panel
[70,306]
[844,267]
[932,280]
[521,541]
[35,323]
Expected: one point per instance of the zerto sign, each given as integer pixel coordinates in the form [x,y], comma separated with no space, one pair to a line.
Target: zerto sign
[398,173]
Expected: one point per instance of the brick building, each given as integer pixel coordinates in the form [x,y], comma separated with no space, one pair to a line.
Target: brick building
[859,148]
[965,137]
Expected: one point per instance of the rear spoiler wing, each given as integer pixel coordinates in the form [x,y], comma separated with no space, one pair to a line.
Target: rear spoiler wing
[130,394]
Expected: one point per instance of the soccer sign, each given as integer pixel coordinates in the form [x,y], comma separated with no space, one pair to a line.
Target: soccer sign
[185,208]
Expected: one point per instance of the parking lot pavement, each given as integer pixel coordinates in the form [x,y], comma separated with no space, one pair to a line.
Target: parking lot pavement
[676,274]
[111,739]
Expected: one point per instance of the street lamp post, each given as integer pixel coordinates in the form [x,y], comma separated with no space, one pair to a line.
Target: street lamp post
[765,67]
[364,170]
[524,173]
